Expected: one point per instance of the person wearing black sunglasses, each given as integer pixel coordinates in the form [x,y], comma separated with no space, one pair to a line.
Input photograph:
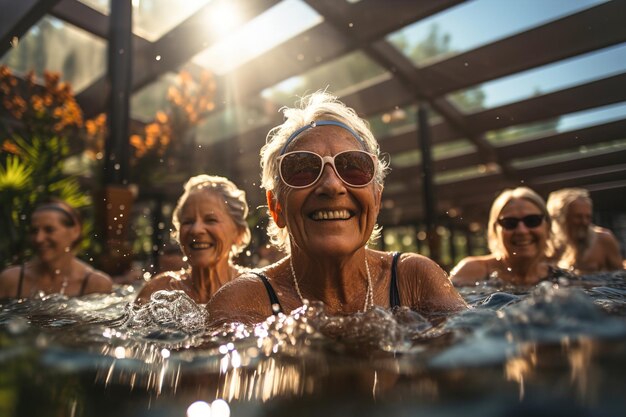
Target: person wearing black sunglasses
[323,177]
[519,238]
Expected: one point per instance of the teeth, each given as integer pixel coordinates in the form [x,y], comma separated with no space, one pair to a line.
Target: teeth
[201,245]
[331,215]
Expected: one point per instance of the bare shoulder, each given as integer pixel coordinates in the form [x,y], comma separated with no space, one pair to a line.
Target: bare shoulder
[471,269]
[9,280]
[425,286]
[158,282]
[244,300]
[610,248]
[99,282]
[605,235]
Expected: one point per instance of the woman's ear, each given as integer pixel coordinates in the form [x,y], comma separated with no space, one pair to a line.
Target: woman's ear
[275,209]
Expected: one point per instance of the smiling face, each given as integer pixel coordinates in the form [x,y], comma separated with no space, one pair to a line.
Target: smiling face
[328,217]
[522,242]
[51,237]
[207,232]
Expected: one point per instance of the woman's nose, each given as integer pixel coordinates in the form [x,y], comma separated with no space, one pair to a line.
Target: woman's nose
[196,226]
[329,182]
[39,236]
[521,226]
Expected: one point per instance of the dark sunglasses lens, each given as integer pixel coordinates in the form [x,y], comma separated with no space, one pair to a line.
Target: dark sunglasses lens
[355,168]
[300,169]
[533,220]
[509,223]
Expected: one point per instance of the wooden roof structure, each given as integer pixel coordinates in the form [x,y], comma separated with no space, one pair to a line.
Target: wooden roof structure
[364,26]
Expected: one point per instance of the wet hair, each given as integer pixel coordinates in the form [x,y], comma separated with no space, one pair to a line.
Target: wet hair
[234,201]
[494,242]
[558,207]
[317,106]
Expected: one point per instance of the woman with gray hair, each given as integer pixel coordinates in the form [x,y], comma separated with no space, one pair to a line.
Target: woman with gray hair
[323,177]
[210,227]
[519,239]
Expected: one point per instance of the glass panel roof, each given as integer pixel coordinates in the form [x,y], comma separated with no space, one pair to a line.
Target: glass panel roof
[565,123]
[397,121]
[561,156]
[456,30]
[236,49]
[445,150]
[468,173]
[338,76]
[146,102]
[153,18]
[57,46]
[103,6]
[567,73]
[232,121]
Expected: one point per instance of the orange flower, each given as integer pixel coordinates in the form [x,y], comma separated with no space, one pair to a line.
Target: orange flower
[161,117]
[10,147]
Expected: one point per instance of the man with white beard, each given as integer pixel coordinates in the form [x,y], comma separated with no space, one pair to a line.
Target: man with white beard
[581,246]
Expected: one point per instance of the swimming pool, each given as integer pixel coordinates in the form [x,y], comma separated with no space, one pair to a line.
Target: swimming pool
[556,349]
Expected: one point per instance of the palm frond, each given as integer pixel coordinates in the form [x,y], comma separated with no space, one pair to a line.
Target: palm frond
[15,176]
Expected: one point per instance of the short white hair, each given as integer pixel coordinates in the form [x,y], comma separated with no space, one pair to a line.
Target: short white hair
[234,200]
[317,106]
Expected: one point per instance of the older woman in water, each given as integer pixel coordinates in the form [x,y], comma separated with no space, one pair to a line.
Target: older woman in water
[210,226]
[324,179]
[55,233]
[519,239]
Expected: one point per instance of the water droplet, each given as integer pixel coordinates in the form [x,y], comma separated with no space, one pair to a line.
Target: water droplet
[220,408]
[120,352]
[199,409]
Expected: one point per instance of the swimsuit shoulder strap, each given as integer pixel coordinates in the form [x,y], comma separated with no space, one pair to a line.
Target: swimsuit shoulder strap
[394,294]
[83,286]
[270,292]
[20,283]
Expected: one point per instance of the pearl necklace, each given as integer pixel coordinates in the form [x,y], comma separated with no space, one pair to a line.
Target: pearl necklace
[369,294]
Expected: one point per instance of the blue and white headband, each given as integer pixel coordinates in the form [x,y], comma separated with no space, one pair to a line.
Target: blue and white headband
[321,123]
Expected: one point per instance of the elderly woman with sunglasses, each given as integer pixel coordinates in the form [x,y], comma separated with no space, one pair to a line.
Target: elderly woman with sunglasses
[324,179]
[519,238]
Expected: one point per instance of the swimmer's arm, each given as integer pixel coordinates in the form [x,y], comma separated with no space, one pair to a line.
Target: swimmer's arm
[428,286]
[243,300]
[469,271]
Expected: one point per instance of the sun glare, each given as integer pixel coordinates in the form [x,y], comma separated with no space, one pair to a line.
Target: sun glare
[224,18]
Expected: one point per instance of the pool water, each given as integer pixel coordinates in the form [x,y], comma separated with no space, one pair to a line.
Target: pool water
[557,349]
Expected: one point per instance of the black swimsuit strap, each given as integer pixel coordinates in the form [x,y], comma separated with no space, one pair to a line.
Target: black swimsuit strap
[394,294]
[21,281]
[270,292]
[84,284]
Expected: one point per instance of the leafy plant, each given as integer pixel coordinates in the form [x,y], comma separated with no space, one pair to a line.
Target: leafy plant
[42,119]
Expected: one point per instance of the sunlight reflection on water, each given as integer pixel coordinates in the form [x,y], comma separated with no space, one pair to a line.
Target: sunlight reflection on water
[563,342]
